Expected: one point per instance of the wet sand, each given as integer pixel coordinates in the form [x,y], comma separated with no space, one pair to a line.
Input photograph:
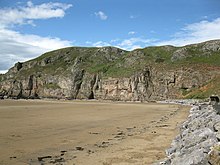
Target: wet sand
[86,132]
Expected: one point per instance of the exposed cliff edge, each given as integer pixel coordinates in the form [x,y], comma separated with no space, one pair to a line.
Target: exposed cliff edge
[152,73]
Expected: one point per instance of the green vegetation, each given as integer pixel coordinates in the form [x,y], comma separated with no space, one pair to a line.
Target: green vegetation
[112,64]
[99,68]
[211,59]
[52,86]
[217,147]
[185,91]
[160,52]
[132,62]
[2,77]
[210,88]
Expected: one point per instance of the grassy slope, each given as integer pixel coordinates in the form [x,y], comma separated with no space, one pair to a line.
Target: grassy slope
[134,62]
[212,87]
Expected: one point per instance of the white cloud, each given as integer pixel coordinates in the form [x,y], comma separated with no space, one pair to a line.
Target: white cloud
[195,33]
[205,17]
[126,44]
[29,3]
[19,47]
[115,40]
[134,43]
[100,44]
[152,31]
[47,43]
[192,33]
[88,42]
[133,16]
[16,46]
[101,15]
[3,71]
[26,14]
[132,33]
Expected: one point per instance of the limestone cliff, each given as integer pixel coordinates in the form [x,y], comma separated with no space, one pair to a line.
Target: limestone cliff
[153,73]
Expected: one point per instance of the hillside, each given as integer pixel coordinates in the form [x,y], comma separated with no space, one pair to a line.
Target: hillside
[152,73]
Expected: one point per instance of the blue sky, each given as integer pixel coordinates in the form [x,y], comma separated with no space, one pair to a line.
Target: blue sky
[30,28]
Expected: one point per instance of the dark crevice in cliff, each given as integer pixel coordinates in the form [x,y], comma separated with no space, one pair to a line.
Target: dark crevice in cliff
[77,82]
[91,96]
[20,96]
[18,66]
[93,86]
[30,84]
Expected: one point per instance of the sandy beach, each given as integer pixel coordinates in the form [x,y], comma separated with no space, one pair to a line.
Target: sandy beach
[34,132]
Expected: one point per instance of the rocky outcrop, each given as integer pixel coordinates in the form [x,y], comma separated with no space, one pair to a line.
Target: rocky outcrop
[148,84]
[201,49]
[90,73]
[197,143]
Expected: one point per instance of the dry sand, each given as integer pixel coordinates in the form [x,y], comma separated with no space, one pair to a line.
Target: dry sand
[86,133]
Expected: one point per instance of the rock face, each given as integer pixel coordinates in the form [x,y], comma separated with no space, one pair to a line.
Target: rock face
[202,49]
[111,73]
[197,143]
[144,85]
